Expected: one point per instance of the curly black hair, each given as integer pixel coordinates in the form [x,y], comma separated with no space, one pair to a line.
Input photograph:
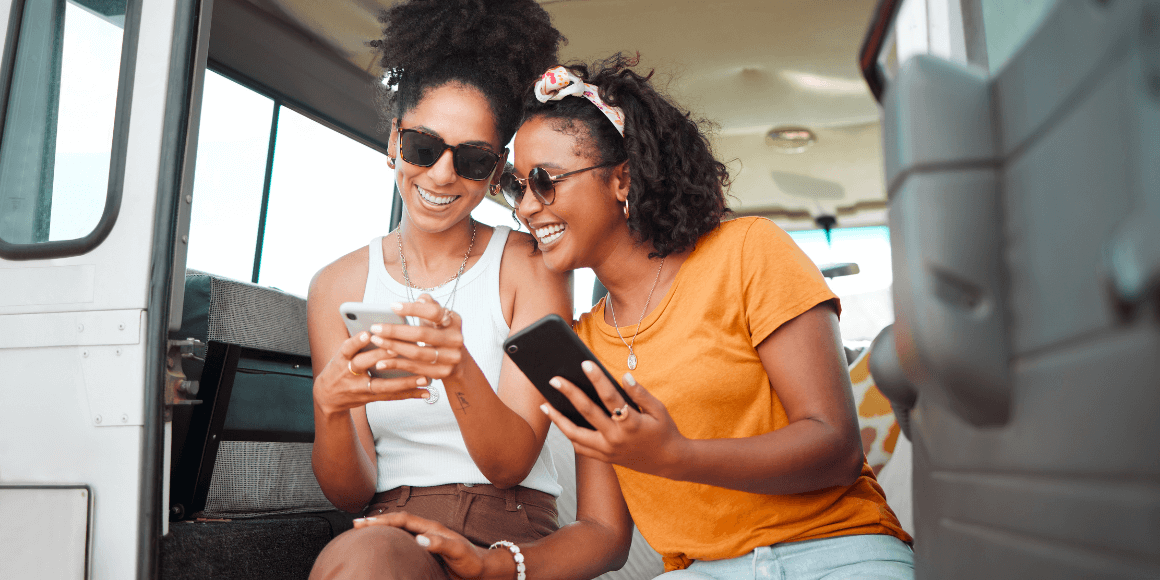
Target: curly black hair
[496,46]
[677,189]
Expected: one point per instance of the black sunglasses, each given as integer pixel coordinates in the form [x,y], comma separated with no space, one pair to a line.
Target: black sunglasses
[542,184]
[424,149]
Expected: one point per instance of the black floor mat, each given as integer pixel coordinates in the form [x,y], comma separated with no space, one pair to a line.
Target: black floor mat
[274,548]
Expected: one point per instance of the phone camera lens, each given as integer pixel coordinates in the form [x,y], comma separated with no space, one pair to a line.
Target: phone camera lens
[351,316]
[513,348]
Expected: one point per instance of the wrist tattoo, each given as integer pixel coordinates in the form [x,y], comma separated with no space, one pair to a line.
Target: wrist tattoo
[463,404]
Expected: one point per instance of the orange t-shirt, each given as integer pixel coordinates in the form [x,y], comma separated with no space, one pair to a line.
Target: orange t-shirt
[742,281]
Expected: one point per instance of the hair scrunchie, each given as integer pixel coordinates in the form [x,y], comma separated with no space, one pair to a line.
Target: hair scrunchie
[559,82]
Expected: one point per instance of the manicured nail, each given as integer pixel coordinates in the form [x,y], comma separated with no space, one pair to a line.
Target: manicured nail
[544,408]
[364,336]
[360,520]
[588,366]
[376,328]
[391,352]
[629,380]
[421,381]
[423,541]
[396,306]
[378,340]
[555,382]
[381,365]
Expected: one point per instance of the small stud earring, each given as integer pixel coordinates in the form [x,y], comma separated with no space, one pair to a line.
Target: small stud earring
[390,163]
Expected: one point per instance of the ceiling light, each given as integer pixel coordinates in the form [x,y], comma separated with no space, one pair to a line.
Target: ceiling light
[790,139]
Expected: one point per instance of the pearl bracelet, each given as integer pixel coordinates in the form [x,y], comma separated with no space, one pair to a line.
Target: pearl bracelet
[520,568]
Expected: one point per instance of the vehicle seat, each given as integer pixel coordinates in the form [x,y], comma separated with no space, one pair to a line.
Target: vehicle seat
[264,515]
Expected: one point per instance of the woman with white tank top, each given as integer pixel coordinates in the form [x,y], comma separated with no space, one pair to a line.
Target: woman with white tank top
[460,439]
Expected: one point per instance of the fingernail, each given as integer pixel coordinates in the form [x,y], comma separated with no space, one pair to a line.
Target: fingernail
[396,306]
[390,352]
[421,381]
[544,408]
[588,366]
[376,328]
[555,382]
[381,365]
[363,336]
[377,340]
[359,520]
[423,541]
[629,380]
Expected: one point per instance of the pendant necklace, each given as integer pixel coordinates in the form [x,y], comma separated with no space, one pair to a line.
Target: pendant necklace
[433,394]
[632,360]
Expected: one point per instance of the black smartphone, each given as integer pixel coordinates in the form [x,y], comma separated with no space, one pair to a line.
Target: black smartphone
[548,348]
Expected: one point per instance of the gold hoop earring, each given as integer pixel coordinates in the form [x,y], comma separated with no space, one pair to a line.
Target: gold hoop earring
[625,209]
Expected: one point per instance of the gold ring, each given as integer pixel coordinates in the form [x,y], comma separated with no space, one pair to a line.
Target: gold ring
[351,369]
[621,413]
[436,357]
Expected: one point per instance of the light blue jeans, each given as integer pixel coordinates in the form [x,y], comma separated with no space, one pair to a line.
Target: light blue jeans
[865,557]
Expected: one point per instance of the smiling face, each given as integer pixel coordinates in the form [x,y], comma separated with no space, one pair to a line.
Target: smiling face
[585,223]
[436,197]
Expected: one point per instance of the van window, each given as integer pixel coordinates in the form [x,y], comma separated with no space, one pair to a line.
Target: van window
[59,112]
[867,304]
[329,195]
[228,178]
[1007,24]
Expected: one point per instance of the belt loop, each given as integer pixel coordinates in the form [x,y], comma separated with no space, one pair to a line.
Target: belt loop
[404,495]
[509,495]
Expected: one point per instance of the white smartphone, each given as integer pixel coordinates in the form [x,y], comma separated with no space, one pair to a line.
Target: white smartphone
[360,316]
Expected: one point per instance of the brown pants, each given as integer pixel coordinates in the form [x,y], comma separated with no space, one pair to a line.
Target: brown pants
[482,513]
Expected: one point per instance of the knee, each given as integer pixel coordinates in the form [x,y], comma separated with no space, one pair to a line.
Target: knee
[371,552]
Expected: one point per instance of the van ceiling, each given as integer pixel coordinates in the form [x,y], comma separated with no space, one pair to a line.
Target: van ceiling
[746,65]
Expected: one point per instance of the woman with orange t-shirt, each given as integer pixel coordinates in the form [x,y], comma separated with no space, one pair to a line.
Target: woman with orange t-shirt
[743,459]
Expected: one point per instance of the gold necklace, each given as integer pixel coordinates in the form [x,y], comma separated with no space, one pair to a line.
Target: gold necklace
[632,360]
[407,278]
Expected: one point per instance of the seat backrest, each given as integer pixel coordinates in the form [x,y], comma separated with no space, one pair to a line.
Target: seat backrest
[228,460]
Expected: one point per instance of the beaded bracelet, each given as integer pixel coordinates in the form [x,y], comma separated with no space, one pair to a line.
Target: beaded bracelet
[520,568]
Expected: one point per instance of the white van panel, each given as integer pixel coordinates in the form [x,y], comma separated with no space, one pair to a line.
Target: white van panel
[45,547]
[71,400]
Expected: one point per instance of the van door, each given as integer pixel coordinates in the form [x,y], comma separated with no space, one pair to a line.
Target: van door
[1024,200]
[95,102]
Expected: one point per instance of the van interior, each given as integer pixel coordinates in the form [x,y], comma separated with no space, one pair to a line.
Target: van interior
[978,180]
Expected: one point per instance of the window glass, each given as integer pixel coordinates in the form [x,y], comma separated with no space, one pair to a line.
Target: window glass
[58,126]
[867,306]
[329,195]
[228,178]
[1008,24]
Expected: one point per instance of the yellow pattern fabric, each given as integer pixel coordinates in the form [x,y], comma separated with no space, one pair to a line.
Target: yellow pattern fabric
[876,421]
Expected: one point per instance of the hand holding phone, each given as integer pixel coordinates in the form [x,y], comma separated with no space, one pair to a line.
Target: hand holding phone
[360,317]
[548,348]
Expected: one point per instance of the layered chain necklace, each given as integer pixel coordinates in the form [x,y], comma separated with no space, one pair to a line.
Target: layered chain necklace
[407,277]
[632,360]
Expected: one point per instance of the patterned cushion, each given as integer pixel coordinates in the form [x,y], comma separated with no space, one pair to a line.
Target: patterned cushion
[875,417]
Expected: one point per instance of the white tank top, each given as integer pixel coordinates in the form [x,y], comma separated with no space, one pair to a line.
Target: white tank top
[417,443]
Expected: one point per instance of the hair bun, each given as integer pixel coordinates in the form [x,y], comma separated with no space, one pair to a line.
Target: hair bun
[419,35]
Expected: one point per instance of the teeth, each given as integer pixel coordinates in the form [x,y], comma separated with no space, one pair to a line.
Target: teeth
[437,200]
[549,234]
